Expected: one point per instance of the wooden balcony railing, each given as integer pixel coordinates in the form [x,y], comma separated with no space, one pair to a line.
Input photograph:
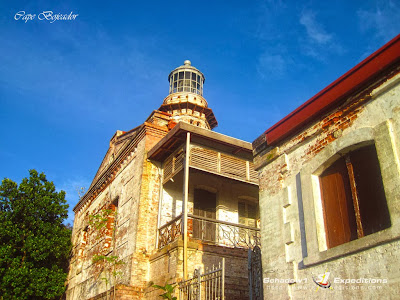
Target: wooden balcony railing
[213,231]
[211,161]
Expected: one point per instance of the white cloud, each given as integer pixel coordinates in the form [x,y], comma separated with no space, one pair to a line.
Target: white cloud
[315,31]
[271,65]
[317,43]
[382,22]
[69,76]
[276,4]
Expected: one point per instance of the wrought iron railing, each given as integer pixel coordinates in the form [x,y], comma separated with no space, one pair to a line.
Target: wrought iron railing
[169,232]
[212,231]
[207,286]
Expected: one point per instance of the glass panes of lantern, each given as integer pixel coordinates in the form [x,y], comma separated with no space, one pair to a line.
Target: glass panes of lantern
[186,81]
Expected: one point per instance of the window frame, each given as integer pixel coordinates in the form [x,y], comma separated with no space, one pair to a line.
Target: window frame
[344,189]
[308,191]
[247,218]
[185,80]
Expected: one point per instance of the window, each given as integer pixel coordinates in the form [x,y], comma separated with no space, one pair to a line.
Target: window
[186,81]
[247,213]
[353,199]
[205,206]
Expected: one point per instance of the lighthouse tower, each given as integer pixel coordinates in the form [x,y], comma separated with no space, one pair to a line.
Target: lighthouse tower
[185,101]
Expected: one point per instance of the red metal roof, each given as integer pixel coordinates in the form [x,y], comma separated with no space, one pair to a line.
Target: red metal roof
[358,76]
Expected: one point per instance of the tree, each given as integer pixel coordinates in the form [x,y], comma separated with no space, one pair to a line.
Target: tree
[34,242]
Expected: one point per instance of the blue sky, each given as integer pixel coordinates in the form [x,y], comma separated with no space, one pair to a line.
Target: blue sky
[67,86]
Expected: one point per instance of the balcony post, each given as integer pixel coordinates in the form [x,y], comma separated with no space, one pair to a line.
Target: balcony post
[185,205]
[160,202]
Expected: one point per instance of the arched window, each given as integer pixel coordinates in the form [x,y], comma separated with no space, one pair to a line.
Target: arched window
[353,198]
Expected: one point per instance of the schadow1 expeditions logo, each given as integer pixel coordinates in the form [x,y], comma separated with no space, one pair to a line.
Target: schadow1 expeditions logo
[322,280]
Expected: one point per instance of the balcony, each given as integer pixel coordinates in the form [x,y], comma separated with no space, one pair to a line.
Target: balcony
[211,161]
[210,231]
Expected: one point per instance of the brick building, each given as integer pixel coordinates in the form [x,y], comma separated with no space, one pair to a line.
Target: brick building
[330,189]
[170,196]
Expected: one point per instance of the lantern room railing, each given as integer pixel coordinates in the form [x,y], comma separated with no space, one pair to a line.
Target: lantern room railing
[212,231]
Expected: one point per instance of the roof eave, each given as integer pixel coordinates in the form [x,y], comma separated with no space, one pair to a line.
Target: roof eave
[356,78]
[158,152]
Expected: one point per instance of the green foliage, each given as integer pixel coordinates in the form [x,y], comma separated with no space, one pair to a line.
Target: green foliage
[112,259]
[100,220]
[108,263]
[169,290]
[34,242]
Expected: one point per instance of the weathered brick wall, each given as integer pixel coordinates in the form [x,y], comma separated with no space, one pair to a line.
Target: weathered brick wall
[83,276]
[146,224]
[135,183]
[122,292]
[291,225]
[167,266]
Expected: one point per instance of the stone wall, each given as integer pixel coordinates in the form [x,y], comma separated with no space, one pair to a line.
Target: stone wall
[134,189]
[292,225]
[83,276]
[167,266]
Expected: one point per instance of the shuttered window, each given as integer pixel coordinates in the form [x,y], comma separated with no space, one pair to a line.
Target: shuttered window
[173,165]
[353,198]
[340,222]
[247,213]
[223,164]
[205,205]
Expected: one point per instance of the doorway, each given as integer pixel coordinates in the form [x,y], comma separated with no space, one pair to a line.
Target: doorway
[205,208]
